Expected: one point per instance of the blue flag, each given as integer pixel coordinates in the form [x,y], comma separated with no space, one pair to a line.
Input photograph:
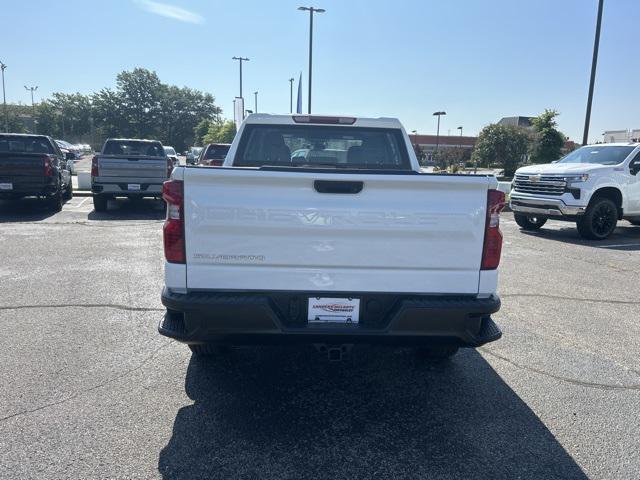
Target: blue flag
[299,104]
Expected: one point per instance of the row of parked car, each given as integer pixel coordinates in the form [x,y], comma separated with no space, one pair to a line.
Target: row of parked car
[38,165]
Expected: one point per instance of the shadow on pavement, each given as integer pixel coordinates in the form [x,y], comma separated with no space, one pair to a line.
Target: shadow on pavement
[381,413]
[29,209]
[127,209]
[625,237]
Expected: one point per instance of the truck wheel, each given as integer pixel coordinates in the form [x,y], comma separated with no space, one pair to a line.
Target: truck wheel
[68,193]
[55,203]
[438,352]
[208,349]
[100,203]
[599,221]
[529,222]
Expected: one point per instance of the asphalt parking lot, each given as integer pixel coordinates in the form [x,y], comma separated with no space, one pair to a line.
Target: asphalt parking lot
[90,390]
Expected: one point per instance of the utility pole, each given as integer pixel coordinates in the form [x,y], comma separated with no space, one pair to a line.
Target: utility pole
[311,10]
[240,59]
[460,142]
[33,106]
[291,95]
[255,95]
[594,62]
[4,100]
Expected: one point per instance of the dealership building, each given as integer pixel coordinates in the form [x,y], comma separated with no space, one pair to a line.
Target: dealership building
[621,136]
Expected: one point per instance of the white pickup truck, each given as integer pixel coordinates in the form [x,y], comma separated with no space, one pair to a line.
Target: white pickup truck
[348,242]
[594,186]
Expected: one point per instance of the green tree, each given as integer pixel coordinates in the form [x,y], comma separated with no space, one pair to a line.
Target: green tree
[220,132]
[547,140]
[15,122]
[141,106]
[48,120]
[453,157]
[501,146]
[140,94]
[109,119]
[201,130]
[74,112]
[182,110]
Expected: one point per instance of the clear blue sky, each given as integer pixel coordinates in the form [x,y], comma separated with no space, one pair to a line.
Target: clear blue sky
[478,60]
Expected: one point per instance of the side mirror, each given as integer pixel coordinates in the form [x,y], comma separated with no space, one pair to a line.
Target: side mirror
[634,167]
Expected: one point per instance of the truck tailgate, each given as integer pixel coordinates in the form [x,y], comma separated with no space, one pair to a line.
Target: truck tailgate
[272,230]
[132,167]
[22,170]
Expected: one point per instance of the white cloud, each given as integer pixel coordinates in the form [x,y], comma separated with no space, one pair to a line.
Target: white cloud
[170,11]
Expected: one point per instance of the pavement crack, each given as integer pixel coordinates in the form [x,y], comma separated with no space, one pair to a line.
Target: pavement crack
[87,390]
[572,381]
[84,305]
[563,297]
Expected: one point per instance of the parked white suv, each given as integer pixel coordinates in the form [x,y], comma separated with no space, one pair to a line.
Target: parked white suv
[347,243]
[595,186]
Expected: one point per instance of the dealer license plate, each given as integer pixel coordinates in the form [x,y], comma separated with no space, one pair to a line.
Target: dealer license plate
[334,310]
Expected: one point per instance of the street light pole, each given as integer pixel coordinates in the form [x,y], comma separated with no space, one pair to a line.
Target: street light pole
[255,95]
[240,59]
[460,142]
[596,46]
[33,106]
[4,100]
[311,10]
[438,114]
[291,95]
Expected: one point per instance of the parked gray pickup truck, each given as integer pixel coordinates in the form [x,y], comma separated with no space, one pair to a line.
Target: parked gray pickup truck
[128,168]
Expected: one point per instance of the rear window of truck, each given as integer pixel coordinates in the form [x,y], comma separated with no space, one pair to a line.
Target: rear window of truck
[133,148]
[216,152]
[322,147]
[18,144]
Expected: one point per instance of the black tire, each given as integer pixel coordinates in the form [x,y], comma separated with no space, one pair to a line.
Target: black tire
[68,192]
[208,350]
[55,202]
[100,203]
[599,221]
[529,222]
[438,352]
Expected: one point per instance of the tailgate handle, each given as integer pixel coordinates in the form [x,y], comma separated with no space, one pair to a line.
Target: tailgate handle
[337,186]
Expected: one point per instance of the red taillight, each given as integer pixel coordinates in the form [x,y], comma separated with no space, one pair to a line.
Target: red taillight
[492,236]
[48,166]
[94,166]
[173,230]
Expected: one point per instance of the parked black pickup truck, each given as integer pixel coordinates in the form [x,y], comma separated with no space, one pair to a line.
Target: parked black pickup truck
[33,166]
